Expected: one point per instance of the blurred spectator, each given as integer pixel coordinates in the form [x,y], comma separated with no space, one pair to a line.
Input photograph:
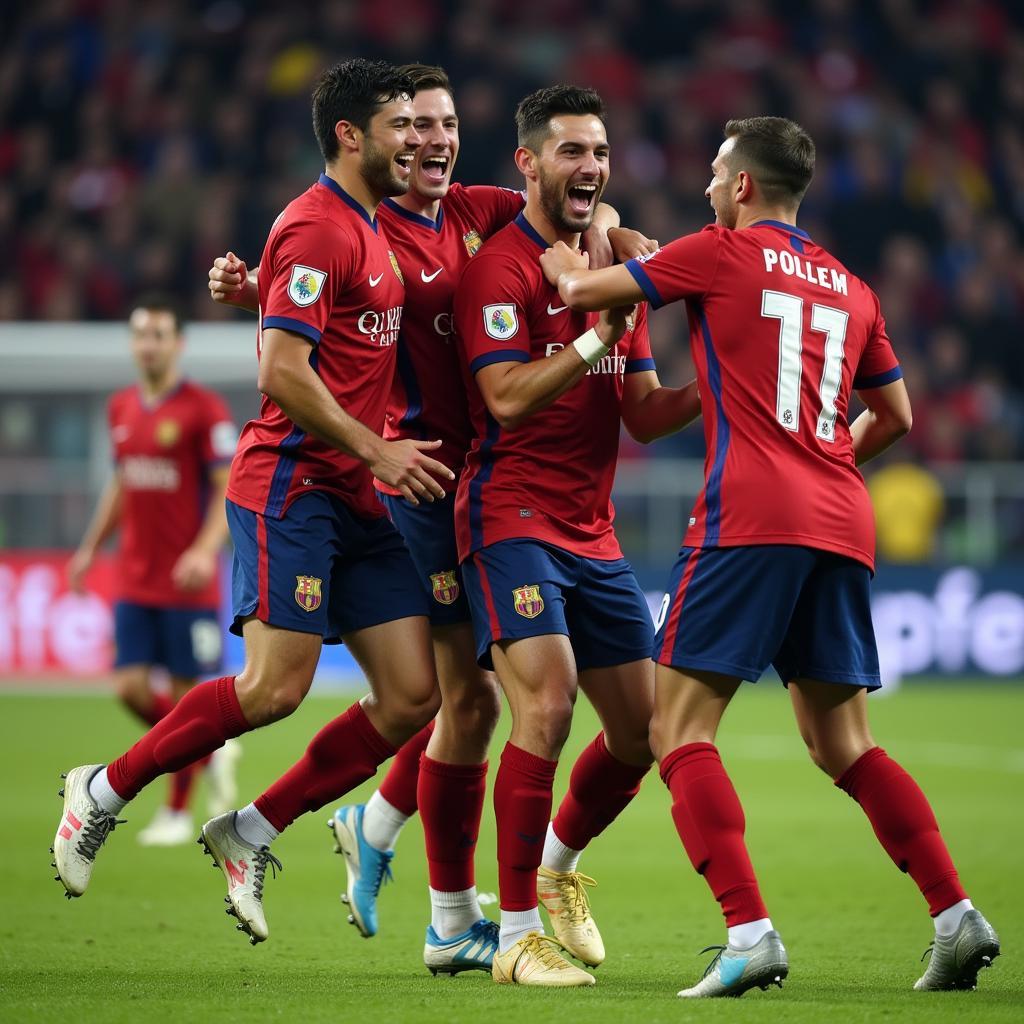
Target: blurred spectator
[908,505]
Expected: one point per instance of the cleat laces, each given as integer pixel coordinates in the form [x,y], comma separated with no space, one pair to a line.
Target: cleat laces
[714,963]
[94,833]
[261,858]
[575,893]
[382,874]
[547,950]
[927,953]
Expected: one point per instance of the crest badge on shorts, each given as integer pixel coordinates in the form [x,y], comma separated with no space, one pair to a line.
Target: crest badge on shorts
[306,285]
[527,601]
[500,321]
[444,586]
[307,592]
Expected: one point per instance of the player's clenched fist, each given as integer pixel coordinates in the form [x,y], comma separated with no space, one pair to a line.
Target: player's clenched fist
[560,259]
[404,466]
[628,244]
[228,277]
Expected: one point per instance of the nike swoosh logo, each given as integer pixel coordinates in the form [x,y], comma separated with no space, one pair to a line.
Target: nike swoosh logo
[427,278]
[373,283]
[552,311]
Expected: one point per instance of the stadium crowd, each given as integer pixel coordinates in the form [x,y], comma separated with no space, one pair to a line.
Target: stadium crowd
[136,143]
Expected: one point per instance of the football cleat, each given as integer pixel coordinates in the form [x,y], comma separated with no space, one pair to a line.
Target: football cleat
[221,785]
[564,895]
[168,828]
[956,959]
[733,971]
[84,827]
[537,959]
[471,950]
[245,868]
[367,867]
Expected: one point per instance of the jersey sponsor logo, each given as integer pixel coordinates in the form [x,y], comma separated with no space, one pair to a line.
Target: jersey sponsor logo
[306,285]
[374,281]
[427,278]
[552,310]
[611,363]
[167,432]
[472,241]
[500,321]
[308,592]
[146,473]
[444,586]
[443,325]
[395,267]
[381,327]
[527,601]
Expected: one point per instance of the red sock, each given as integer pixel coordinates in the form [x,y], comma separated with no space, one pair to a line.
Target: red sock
[160,706]
[399,785]
[342,754]
[207,716]
[600,787]
[522,806]
[709,819]
[905,825]
[451,799]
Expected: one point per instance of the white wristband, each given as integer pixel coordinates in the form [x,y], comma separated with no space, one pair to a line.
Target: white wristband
[590,347]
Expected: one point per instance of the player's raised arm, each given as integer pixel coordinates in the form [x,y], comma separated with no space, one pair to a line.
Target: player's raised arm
[286,377]
[886,419]
[587,290]
[231,283]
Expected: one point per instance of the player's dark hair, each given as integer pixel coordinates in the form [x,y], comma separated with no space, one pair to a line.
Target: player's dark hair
[428,76]
[158,302]
[354,91]
[778,154]
[534,113]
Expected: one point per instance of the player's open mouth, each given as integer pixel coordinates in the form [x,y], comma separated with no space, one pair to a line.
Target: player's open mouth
[405,161]
[435,169]
[581,197]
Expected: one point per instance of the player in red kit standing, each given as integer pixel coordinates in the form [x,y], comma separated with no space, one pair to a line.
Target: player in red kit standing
[315,558]
[172,442]
[776,564]
[555,605]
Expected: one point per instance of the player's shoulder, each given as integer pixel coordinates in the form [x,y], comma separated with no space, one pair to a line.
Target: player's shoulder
[198,395]
[123,398]
[503,253]
[317,213]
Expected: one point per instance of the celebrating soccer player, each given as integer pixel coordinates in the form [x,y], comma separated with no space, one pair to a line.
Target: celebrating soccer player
[776,564]
[316,559]
[555,605]
[172,443]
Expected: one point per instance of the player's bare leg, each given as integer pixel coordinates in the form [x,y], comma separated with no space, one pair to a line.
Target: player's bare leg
[604,780]
[396,659]
[833,720]
[538,676]
[688,707]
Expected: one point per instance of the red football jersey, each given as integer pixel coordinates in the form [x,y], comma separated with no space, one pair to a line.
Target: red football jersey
[327,273]
[164,453]
[551,477]
[428,399]
[781,332]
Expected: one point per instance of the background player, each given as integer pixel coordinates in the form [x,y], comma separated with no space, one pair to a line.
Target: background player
[172,442]
[555,605]
[776,564]
[315,558]
[435,229]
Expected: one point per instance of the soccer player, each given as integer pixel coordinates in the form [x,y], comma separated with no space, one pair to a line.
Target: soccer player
[555,605]
[172,443]
[315,558]
[435,229]
[776,564]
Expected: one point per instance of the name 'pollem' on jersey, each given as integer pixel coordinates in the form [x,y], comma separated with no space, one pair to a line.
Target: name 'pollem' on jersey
[825,277]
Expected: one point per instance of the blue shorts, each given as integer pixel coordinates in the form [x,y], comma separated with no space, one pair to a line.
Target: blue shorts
[739,610]
[320,569]
[185,641]
[428,530]
[521,588]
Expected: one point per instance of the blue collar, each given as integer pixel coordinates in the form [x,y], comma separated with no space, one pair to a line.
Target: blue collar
[417,218]
[791,228]
[530,231]
[346,198]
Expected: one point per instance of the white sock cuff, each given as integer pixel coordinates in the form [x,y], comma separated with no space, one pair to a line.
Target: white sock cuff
[557,856]
[253,828]
[453,900]
[104,793]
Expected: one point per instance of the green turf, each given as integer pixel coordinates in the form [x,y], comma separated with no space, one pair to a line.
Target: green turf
[150,940]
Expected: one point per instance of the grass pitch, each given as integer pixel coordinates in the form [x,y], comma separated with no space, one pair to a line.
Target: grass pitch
[150,940]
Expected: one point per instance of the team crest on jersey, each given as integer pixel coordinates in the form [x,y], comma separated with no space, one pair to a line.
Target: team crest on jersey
[307,592]
[444,586]
[395,267]
[528,601]
[305,285]
[500,321]
[473,242]
[167,432]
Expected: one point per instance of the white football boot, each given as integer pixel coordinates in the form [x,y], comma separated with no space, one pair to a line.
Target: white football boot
[168,828]
[222,785]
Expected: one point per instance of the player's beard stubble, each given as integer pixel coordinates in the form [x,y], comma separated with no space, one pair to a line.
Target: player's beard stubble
[378,171]
[554,193]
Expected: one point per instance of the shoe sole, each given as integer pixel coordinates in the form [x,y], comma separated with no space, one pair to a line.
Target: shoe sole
[231,910]
[452,969]
[346,844]
[980,958]
[68,893]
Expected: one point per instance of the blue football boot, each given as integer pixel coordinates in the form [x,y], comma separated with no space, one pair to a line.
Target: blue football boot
[471,950]
[367,867]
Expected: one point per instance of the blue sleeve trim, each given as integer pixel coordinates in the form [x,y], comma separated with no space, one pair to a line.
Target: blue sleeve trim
[499,355]
[286,323]
[879,380]
[639,365]
[641,278]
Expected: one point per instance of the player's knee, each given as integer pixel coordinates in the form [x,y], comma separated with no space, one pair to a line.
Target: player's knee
[630,745]
[265,700]
[548,722]
[472,709]
[414,707]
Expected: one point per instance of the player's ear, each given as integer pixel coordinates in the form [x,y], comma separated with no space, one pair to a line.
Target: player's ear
[349,136]
[744,187]
[526,161]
